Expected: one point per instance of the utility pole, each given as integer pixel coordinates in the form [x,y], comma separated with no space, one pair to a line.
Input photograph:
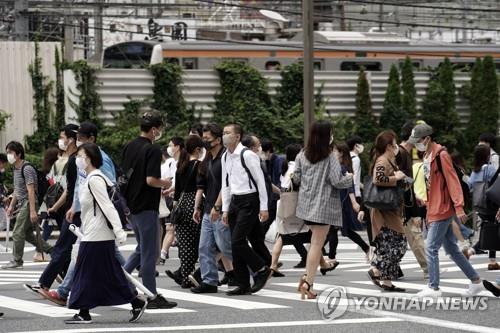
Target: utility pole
[341,9]
[21,16]
[98,30]
[380,17]
[308,31]
[68,34]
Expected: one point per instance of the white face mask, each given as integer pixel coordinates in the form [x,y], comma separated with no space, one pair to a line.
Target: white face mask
[360,148]
[420,146]
[396,152]
[170,151]
[11,158]
[78,143]
[62,145]
[158,136]
[81,163]
[202,154]
[228,139]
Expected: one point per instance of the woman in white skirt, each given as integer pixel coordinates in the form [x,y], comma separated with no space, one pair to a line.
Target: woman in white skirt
[99,279]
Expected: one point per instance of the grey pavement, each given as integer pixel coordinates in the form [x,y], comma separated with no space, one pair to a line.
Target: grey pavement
[277,308]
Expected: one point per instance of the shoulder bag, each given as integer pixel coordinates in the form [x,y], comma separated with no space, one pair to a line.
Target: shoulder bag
[380,197]
[176,213]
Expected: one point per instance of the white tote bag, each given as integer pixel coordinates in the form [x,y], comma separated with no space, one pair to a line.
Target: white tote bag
[163,211]
[288,223]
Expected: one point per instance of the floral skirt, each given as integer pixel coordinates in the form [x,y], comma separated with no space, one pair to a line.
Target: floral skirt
[390,247]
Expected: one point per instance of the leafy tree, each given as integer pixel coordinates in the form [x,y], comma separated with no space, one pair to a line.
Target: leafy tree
[409,99]
[489,88]
[43,136]
[244,99]
[167,93]
[393,117]
[447,82]
[291,90]
[89,104]
[473,93]
[60,107]
[366,125]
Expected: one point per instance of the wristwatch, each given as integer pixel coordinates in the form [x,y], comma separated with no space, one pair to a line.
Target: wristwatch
[217,208]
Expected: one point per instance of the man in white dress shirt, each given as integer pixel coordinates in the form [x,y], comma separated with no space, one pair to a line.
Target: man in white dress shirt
[244,205]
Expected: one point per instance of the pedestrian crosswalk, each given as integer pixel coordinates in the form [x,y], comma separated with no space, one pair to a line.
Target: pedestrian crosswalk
[279,296]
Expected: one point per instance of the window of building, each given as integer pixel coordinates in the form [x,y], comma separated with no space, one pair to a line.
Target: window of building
[273,66]
[190,63]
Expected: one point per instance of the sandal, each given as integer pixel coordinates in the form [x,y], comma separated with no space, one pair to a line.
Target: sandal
[329,269]
[305,290]
[375,279]
[392,288]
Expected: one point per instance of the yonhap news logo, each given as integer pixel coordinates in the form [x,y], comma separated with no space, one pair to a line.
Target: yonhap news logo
[332,303]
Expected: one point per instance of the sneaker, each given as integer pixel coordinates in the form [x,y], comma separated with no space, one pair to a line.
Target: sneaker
[12,265]
[136,313]
[41,257]
[474,289]
[493,267]
[174,277]
[34,288]
[429,292]
[53,296]
[301,264]
[370,254]
[204,288]
[195,278]
[239,291]
[260,279]
[159,302]
[77,319]
[491,288]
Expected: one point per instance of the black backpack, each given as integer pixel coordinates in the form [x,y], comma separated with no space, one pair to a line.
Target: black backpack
[42,182]
[251,180]
[55,191]
[460,174]
[118,201]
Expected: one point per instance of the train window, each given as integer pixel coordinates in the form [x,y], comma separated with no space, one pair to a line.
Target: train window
[240,60]
[190,63]
[417,64]
[128,55]
[318,64]
[273,66]
[462,66]
[356,66]
[172,60]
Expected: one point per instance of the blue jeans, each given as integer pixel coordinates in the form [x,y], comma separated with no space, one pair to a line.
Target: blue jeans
[65,287]
[146,229]
[441,234]
[212,234]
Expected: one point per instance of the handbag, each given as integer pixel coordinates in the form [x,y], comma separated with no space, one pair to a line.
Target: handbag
[288,222]
[493,192]
[380,197]
[176,212]
[479,199]
[489,236]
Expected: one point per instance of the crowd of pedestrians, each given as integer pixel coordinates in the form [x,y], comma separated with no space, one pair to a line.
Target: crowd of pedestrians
[216,193]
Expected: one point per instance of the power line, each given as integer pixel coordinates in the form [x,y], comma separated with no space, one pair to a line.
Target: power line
[396,4]
[437,54]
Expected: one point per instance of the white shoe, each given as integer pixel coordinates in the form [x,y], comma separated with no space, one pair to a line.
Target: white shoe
[474,289]
[370,254]
[429,292]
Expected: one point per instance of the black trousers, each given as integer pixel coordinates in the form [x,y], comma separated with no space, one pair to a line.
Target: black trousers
[333,239]
[298,241]
[245,227]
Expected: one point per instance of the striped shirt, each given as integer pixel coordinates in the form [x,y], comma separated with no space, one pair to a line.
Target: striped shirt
[20,182]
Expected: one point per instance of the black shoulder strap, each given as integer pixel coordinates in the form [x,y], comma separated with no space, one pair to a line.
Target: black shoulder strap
[251,180]
[110,226]
[438,161]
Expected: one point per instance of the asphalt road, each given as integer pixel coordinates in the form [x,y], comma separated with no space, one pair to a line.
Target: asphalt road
[277,308]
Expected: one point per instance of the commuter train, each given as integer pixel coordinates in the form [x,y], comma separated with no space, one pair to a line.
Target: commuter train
[329,56]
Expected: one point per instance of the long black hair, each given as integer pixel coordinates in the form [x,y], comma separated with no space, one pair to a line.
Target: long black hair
[191,144]
[318,146]
[291,152]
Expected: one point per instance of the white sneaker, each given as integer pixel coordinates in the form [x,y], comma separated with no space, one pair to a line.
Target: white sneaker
[370,254]
[474,289]
[429,292]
